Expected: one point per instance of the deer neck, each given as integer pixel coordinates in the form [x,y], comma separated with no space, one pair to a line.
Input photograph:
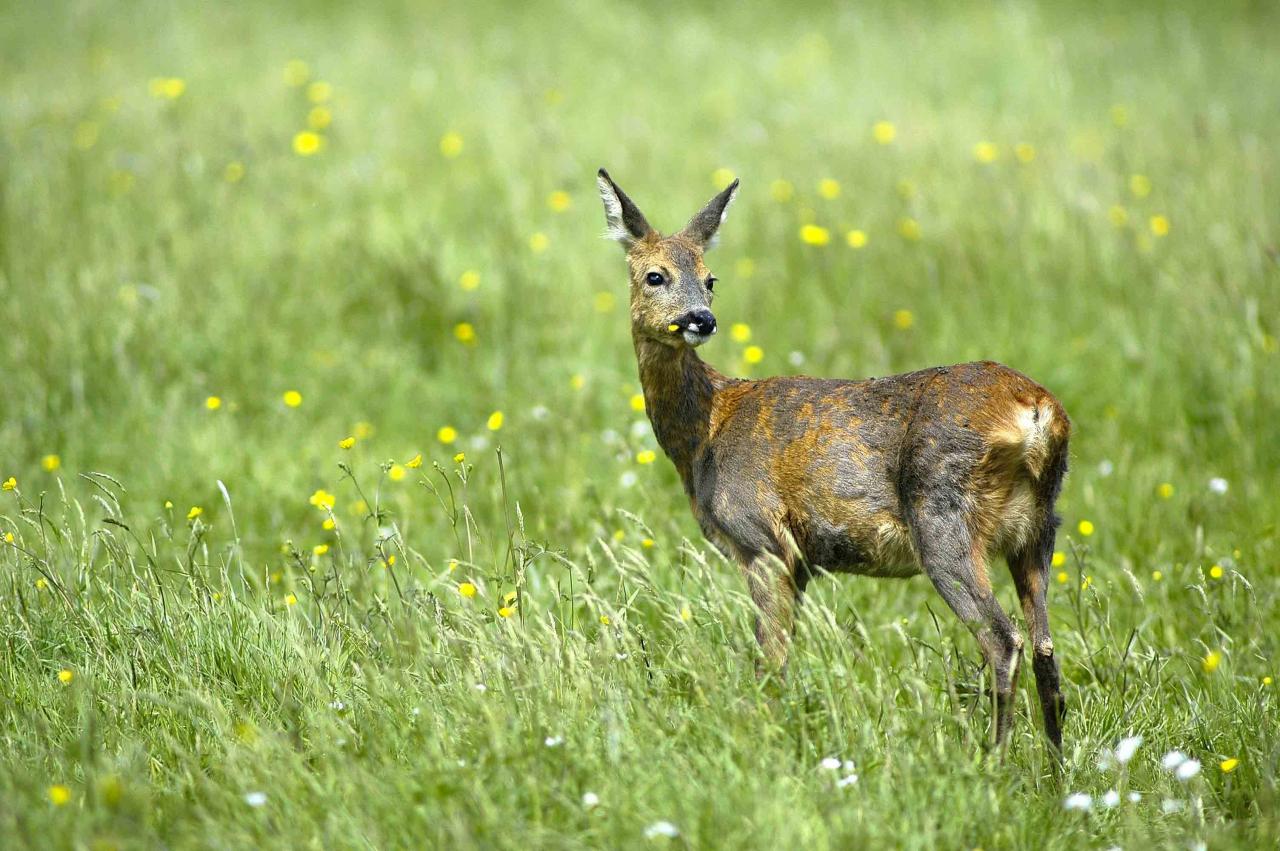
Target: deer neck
[679,390]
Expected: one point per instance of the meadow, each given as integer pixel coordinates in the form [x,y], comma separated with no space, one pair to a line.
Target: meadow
[331,517]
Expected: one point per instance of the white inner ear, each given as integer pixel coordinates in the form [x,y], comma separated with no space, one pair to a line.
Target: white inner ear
[614,228]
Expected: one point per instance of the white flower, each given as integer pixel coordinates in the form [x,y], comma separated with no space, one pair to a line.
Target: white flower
[610,437]
[417,710]
[255,799]
[1173,759]
[337,705]
[1111,799]
[847,780]
[1218,484]
[1127,748]
[1188,769]
[1078,801]
[1135,797]
[540,412]
[1169,805]
[620,656]
[795,358]
[1106,760]
[628,479]
[554,741]
[830,764]
[641,428]
[1105,468]
[590,800]
[481,687]
[661,828]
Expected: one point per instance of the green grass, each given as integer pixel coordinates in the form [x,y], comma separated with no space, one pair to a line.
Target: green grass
[136,281]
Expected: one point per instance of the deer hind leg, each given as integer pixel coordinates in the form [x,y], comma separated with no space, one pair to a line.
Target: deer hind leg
[1030,569]
[956,564]
[776,591]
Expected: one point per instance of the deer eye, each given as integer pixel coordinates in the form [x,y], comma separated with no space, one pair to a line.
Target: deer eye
[711,282]
[655,279]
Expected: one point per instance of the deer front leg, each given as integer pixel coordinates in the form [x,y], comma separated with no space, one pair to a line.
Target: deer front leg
[774,591]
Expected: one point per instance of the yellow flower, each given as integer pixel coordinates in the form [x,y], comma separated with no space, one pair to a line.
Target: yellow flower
[884,132]
[909,229]
[1140,185]
[506,612]
[328,524]
[1062,577]
[1160,225]
[603,302]
[362,430]
[1085,527]
[495,421]
[740,332]
[195,512]
[1228,765]
[1215,572]
[234,172]
[41,584]
[322,499]
[986,152]
[447,435]
[453,565]
[213,403]
[907,189]
[296,73]
[1118,215]
[1266,681]
[856,238]
[460,457]
[1157,575]
[167,87]
[467,590]
[829,188]
[8,537]
[450,145]
[50,462]
[722,177]
[290,599]
[753,354]
[319,92]
[292,398]
[559,201]
[415,462]
[396,473]
[469,280]
[320,549]
[1024,151]
[464,332]
[814,235]
[637,402]
[619,535]
[391,560]
[1088,581]
[65,676]
[1119,115]
[1165,490]
[1211,661]
[306,143]
[1059,559]
[319,117]
[647,543]
[539,243]
[781,190]
[168,504]
[903,319]
[646,456]
[10,484]
[604,619]
[578,381]
[509,597]
[59,795]
[346,443]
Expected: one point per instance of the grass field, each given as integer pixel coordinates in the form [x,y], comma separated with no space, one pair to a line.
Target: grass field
[231,238]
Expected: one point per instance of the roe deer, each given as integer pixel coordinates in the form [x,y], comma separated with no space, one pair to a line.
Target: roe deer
[934,471]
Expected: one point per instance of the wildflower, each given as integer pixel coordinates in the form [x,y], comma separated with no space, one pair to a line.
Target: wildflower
[553,741]
[1157,575]
[1118,215]
[290,600]
[986,152]
[1188,769]
[65,676]
[320,549]
[628,479]
[1085,527]
[1024,151]
[453,565]
[856,238]
[319,117]
[506,612]
[213,403]
[319,92]
[740,332]
[1173,759]
[578,381]
[906,189]
[753,354]
[234,172]
[1266,681]
[1164,490]
[328,524]
[590,800]
[255,799]
[1105,467]
[1127,747]
[604,620]
[396,473]
[903,319]
[1111,799]
[559,201]
[362,430]
[447,434]
[50,463]
[1135,797]
[296,73]
[467,589]
[909,229]
[1086,583]
[539,242]
[829,188]
[464,332]
[9,484]
[59,795]
[469,280]
[619,535]
[814,235]
[495,421]
[1140,185]
[41,584]
[1218,485]
[830,763]
[1228,765]
[195,512]
[1078,801]
[781,190]
[722,177]
[1211,661]
[509,597]
[322,500]
[292,398]
[450,145]
[1059,558]
[390,560]
[1215,572]
[460,458]
[663,829]
[415,462]
[603,301]
[8,537]
[307,142]
[1159,225]
[647,543]
[637,402]
[686,614]
[884,132]
[847,780]
[646,456]
[1062,577]
[346,443]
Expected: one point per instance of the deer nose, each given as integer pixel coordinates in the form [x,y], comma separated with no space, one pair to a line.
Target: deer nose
[700,321]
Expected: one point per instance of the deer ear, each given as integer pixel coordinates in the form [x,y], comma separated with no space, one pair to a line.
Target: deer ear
[702,228]
[624,221]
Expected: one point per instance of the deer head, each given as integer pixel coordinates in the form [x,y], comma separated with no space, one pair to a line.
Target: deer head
[671,286]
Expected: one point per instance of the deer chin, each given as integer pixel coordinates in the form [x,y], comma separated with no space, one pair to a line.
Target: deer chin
[694,338]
